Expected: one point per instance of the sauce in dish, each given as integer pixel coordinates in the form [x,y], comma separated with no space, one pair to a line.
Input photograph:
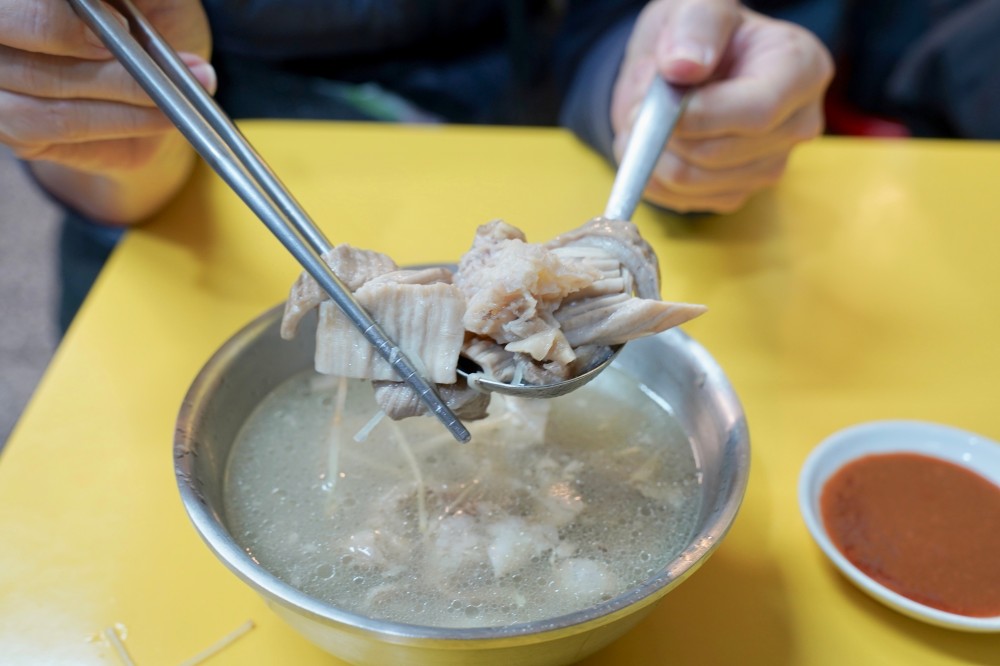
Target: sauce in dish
[554,506]
[923,527]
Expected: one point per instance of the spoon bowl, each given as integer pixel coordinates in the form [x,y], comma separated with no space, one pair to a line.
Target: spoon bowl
[658,116]
[482,382]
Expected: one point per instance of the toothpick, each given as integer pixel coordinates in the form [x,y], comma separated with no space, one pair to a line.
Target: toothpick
[119,646]
[220,645]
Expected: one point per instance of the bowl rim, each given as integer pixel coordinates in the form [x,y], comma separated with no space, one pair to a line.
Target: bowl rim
[966,449]
[212,530]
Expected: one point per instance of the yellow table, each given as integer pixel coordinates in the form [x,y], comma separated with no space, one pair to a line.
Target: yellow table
[863,287]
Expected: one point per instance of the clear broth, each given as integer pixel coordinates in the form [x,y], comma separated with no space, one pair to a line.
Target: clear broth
[521,524]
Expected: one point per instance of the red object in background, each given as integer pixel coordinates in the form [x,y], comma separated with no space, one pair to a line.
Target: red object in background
[843,118]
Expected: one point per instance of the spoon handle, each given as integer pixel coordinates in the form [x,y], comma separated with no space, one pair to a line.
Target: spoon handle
[657,118]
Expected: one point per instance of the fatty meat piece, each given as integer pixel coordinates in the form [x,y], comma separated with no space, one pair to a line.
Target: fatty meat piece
[621,240]
[425,320]
[399,401]
[353,266]
[614,319]
[512,288]
[530,312]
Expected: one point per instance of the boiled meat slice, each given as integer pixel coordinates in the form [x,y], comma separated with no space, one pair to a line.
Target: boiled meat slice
[534,313]
[354,267]
[558,306]
[613,280]
[621,240]
[512,287]
[492,358]
[514,542]
[429,275]
[424,320]
[399,401]
[617,318]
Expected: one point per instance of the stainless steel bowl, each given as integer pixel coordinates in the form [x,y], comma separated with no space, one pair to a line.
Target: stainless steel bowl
[256,360]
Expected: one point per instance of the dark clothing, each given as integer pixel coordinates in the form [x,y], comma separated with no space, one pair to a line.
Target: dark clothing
[947,84]
[934,65]
[491,61]
[84,247]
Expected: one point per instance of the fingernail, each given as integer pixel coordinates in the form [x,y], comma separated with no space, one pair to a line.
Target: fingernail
[92,37]
[206,76]
[201,70]
[694,53]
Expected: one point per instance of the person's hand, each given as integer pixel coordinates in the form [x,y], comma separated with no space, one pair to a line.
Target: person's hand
[67,105]
[758,91]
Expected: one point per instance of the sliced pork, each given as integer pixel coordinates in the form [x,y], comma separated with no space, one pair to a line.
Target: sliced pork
[615,319]
[523,312]
[399,401]
[354,267]
[621,240]
[512,288]
[426,320]
[543,302]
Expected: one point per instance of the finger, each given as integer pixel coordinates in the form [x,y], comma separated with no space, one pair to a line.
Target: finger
[777,76]
[50,26]
[719,202]
[731,151]
[694,39]
[98,156]
[684,41]
[42,75]
[59,77]
[630,89]
[682,177]
[27,121]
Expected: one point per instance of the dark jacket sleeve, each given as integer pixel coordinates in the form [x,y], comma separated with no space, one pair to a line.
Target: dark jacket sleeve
[586,109]
[588,55]
[948,83]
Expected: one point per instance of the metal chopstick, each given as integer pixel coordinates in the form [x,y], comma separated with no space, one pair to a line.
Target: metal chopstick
[164,77]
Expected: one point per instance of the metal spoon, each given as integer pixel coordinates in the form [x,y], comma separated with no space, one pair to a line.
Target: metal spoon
[657,118]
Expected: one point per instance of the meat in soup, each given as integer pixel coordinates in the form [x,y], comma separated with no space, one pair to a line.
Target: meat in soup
[523,312]
[553,507]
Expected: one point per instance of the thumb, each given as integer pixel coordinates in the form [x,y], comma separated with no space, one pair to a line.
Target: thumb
[695,37]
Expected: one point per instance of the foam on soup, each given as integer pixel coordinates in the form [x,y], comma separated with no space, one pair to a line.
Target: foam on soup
[554,506]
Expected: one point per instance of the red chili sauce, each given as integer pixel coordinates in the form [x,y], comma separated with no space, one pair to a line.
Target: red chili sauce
[925,528]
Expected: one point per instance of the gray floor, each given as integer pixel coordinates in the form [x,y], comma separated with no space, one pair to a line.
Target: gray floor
[28,331]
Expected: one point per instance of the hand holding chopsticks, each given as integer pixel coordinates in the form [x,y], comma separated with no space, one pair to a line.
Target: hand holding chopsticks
[165,78]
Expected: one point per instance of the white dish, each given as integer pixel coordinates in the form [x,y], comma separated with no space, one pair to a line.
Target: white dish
[967,449]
